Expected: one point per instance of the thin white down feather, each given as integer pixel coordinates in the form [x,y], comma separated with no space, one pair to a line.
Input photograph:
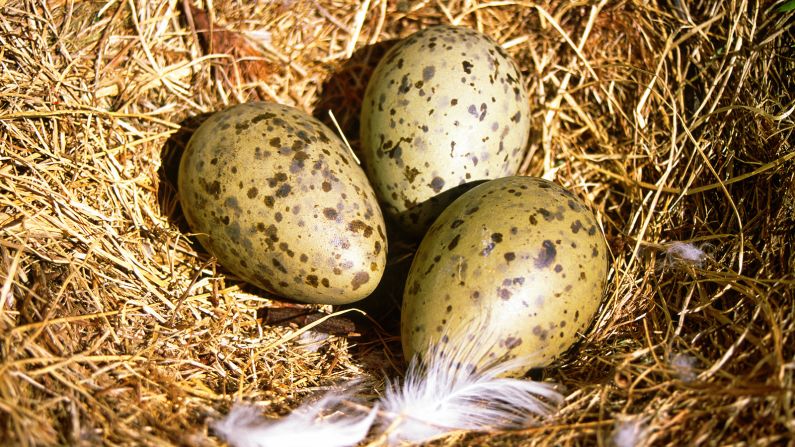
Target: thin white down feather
[444,393]
[630,431]
[685,252]
[316,424]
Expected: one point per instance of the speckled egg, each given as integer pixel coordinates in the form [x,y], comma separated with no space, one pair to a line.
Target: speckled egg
[444,107]
[280,201]
[522,250]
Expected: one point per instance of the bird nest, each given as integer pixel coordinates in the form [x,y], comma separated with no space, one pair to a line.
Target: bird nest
[673,120]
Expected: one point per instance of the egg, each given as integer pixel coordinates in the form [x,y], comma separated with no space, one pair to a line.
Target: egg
[444,107]
[521,250]
[278,199]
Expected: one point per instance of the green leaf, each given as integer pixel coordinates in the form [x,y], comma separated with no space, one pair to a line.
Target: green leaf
[787,6]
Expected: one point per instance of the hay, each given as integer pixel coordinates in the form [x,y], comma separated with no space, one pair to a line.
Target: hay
[675,120]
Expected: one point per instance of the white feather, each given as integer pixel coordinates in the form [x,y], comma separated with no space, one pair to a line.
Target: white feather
[316,424]
[445,392]
[685,252]
[630,431]
[684,365]
[312,341]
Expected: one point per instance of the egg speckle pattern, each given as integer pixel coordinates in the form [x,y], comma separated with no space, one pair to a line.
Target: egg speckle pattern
[280,201]
[522,250]
[444,107]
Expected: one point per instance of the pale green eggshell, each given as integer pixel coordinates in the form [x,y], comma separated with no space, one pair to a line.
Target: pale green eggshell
[280,201]
[521,250]
[444,106]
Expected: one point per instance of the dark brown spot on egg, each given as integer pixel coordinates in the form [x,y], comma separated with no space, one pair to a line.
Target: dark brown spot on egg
[357,226]
[456,223]
[410,174]
[330,213]
[283,190]
[512,342]
[272,233]
[278,265]
[428,72]
[298,159]
[437,184]
[510,256]
[312,280]
[576,226]
[453,243]
[213,188]
[286,248]
[546,254]
[262,116]
[359,279]
[405,85]
[467,67]
[326,186]
[251,193]
[415,288]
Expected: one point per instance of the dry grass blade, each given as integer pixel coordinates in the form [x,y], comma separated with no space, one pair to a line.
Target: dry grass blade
[673,119]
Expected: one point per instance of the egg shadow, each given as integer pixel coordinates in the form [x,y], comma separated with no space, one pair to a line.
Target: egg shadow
[384,304]
[342,92]
[170,156]
[416,220]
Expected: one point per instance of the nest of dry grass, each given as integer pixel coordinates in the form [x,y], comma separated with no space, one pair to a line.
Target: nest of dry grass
[674,120]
